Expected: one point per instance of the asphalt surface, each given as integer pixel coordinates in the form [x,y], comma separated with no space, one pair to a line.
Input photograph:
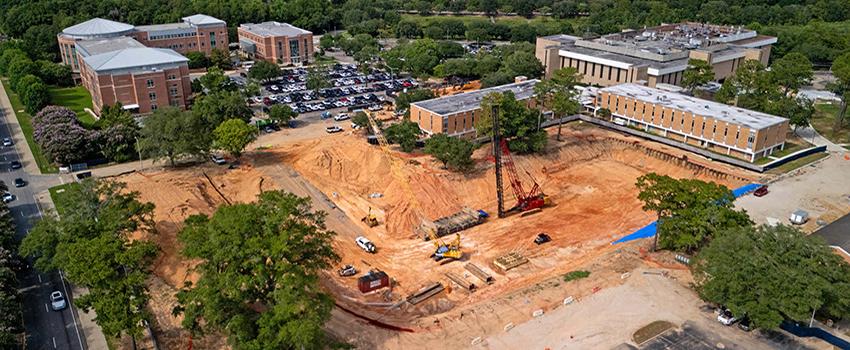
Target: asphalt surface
[45,328]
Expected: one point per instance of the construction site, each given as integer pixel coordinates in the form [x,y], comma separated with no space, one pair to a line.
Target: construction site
[442,249]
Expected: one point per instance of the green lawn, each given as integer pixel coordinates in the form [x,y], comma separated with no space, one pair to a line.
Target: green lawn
[792,144]
[24,119]
[77,99]
[550,25]
[824,123]
[58,197]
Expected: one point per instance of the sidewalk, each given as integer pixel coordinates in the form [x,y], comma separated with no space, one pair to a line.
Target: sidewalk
[16,133]
[811,135]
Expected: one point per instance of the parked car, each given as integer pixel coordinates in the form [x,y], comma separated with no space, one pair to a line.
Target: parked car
[19,182]
[8,197]
[744,325]
[341,117]
[726,317]
[375,108]
[333,129]
[542,238]
[269,129]
[761,191]
[7,142]
[15,164]
[347,270]
[365,244]
[57,301]
[218,159]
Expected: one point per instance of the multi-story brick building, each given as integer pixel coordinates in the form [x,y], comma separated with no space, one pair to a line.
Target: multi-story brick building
[200,33]
[141,78]
[456,115]
[721,128]
[275,42]
[654,55]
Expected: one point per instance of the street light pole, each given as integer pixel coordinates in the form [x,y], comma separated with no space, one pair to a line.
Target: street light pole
[139,149]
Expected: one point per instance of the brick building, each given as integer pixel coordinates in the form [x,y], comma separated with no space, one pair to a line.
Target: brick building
[654,55]
[456,115]
[200,33]
[275,42]
[738,132]
[141,78]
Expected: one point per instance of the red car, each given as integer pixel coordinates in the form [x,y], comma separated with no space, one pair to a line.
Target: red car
[761,191]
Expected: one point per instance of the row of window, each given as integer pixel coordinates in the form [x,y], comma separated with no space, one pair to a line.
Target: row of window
[596,70]
[172,36]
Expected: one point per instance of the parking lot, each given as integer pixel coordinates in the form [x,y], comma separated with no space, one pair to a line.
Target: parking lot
[351,90]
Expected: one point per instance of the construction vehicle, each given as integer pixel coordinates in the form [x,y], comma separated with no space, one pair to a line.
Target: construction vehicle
[450,250]
[443,250]
[526,201]
[370,219]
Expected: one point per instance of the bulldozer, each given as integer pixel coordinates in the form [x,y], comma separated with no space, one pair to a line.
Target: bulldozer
[370,219]
[445,250]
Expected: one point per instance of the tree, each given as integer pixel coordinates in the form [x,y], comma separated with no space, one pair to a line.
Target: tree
[317,80]
[8,56]
[170,133]
[421,56]
[33,93]
[523,33]
[365,56]
[791,72]
[281,114]
[119,133]
[215,108]
[404,99]
[221,59]
[771,274]
[19,68]
[91,242]
[841,71]
[500,77]
[326,42]
[698,73]
[799,111]
[54,73]
[434,32]
[215,81]
[558,92]
[525,64]
[60,135]
[233,135]
[454,153]
[264,71]
[690,212]
[408,29]
[449,49]
[518,123]
[278,248]
[404,134]
[197,60]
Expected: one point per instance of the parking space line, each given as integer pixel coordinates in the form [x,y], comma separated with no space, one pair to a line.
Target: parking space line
[46,309]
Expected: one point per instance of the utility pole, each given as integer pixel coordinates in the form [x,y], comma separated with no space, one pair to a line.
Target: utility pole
[497,154]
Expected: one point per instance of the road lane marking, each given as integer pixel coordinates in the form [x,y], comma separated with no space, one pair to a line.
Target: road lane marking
[46,309]
[54,342]
[73,317]
[39,277]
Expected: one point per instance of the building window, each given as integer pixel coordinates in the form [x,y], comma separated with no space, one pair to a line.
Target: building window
[172,77]
[150,83]
[152,96]
[750,140]
[174,103]
[293,49]
[212,39]
[173,91]
[153,106]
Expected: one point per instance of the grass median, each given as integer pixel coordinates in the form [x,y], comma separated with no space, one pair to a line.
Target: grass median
[25,121]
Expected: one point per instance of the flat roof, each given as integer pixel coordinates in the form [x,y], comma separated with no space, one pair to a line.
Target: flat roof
[739,116]
[133,58]
[272,28]
[472,100]
[837,234]
[164,26]
[202,20]
[96,47]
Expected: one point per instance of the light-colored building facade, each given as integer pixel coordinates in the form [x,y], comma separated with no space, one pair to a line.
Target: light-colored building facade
[456,115]
[200,33]
[721,128]
[141,78]
[653,55]
[275,42]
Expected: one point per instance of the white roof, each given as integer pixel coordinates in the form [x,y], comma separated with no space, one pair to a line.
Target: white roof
[273,28]
[201,19]
[719,111]
[98,27]
[99,46]
[471,100]
[136,57]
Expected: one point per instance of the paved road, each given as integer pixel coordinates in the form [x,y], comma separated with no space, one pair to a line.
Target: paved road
[45,328]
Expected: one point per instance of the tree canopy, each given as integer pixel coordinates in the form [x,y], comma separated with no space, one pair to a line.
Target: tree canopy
[455,153]
[233,135]
[405,134]
[698,73]
[170,133]
[264,71]
[264,290]
[558,93]
[518,123]
[771,274]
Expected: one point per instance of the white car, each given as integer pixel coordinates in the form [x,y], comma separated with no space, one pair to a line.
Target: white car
[341,117]
[726,317]
[218,159]
[365,244]
[333,129]
[7,142]
[375,108]
[8,197]
[57,301]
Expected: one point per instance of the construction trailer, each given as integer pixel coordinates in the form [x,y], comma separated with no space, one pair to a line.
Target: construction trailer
[373,280]
[456,222]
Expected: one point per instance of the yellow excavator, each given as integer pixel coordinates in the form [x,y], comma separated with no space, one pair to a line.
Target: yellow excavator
[450,250]
[370,219]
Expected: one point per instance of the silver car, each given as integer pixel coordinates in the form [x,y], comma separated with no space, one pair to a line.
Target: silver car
[57,301]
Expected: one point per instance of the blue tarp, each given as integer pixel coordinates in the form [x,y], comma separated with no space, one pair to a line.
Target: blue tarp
[650,230]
